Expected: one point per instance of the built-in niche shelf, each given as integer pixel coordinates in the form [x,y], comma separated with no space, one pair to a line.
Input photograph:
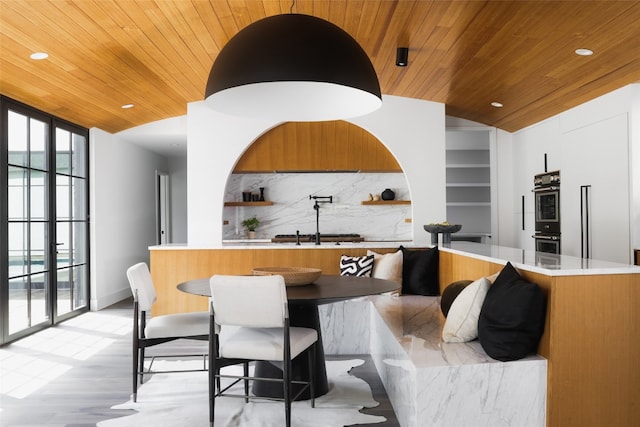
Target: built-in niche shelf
[265,203]
[468,180]
[386,202]
[488,204]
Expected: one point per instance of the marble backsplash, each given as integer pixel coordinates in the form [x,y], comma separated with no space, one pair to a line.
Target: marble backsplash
[293,210]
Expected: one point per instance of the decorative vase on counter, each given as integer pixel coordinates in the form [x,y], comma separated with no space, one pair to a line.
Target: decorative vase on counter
[388,194]
[251,234]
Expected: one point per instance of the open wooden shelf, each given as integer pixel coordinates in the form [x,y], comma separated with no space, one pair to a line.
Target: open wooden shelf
[248,203]
[386,202]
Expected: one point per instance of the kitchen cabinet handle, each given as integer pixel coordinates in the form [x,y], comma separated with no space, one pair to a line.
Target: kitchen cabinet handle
[541,189]
[585,208]
[522,212]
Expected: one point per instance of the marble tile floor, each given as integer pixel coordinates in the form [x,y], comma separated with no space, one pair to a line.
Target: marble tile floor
[71,375]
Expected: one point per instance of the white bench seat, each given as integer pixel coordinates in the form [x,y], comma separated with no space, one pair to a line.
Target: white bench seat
[429,382]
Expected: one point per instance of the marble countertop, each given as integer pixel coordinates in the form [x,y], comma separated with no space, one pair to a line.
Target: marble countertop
[538,262]
[267,244]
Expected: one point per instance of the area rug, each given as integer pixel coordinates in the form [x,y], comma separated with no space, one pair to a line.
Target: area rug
[181,400]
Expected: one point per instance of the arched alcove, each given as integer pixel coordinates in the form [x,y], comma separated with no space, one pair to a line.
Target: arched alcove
[295,160]
[317,146]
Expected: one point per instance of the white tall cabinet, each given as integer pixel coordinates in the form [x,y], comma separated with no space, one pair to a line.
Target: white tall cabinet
[532,151]
[596,156]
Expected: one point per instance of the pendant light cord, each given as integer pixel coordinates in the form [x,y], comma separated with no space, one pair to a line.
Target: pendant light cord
[293,2]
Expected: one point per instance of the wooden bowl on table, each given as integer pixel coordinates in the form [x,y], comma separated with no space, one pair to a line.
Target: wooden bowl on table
[293,276]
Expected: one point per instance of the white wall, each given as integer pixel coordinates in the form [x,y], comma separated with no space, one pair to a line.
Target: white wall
[507,204]
[122,209]
[413,130]
[634,136]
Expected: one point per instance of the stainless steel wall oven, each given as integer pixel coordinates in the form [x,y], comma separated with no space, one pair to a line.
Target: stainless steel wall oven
[547,212]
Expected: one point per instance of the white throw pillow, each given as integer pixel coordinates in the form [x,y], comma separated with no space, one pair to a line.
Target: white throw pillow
[387,266]
[462,321]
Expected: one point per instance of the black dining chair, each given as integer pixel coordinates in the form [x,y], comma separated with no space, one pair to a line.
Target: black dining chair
[257,306]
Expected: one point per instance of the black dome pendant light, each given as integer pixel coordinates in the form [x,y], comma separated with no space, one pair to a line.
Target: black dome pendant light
[293,67]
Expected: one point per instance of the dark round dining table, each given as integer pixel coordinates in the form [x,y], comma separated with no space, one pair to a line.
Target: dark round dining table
[303,311]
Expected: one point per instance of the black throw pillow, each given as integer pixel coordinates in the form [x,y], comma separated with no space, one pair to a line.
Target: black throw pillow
[450,294]
[512,317]
[420,271]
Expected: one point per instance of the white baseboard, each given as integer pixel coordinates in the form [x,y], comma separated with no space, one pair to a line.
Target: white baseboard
[97,304]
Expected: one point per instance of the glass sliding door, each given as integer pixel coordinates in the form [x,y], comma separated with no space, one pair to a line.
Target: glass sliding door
[71,221]
[28,237]
[43,270]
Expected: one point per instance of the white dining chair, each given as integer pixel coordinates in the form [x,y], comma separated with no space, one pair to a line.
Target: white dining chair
[151,331]
[257,305]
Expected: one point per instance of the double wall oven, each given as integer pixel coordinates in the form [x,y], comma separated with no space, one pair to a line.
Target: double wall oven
[547,212]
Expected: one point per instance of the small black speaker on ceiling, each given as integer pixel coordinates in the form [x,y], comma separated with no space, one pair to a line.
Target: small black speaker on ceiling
[402,56]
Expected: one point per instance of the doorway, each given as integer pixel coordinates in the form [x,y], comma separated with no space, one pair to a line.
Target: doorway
[163,208]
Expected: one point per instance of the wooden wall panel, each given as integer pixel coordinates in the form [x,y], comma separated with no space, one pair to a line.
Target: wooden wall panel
[321,146]
[595,349]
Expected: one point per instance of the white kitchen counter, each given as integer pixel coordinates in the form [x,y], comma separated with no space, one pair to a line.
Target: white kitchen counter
[538,262]
[267,244]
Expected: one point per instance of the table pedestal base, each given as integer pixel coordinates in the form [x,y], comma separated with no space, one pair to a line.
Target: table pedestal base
[303,315]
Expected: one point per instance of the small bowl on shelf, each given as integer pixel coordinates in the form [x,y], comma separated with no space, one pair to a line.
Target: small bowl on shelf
[293,276]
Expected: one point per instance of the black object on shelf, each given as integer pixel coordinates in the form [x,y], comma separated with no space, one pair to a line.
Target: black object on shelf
[388,194]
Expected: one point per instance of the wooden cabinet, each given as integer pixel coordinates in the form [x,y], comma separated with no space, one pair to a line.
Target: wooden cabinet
[317,146]
[386,202]
[263,203]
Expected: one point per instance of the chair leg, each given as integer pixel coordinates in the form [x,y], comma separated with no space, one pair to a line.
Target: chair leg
[286,377]
[213,380]
[141,363]
[246,382]
[135,373]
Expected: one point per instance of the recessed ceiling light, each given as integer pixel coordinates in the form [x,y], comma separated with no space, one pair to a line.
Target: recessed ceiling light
[125,106]
[584,52]
[497,104]
[39,55]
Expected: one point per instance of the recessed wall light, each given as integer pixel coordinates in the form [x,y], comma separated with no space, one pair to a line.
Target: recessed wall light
[584,52]
[497,104]
[39,55]
[126,106]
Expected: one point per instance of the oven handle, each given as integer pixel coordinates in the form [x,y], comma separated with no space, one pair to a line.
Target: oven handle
[537,236]
[538,190]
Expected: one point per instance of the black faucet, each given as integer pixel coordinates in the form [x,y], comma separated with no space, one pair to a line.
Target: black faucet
[316,206]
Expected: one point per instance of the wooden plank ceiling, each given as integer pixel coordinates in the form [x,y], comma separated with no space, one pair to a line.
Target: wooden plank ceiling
[156,54]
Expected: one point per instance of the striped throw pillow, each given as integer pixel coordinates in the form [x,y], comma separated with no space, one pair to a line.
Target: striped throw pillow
[360,266]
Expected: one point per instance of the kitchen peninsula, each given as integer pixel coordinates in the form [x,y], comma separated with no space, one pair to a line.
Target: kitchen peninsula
[592,323]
